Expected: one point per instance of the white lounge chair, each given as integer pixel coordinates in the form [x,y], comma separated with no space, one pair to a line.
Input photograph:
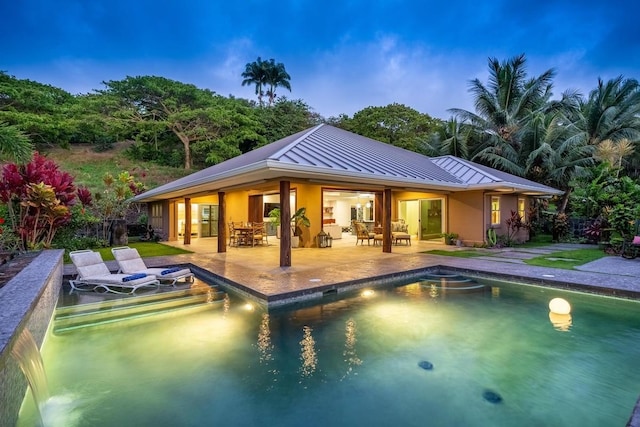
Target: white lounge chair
[130,262]
[93,274]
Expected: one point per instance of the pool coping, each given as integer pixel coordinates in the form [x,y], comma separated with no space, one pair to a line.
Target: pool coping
[540,276]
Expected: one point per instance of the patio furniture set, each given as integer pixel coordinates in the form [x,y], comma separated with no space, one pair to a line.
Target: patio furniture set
[133,274]
[399,233]
[249,234]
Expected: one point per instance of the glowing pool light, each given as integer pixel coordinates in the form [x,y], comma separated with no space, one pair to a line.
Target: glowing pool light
[248,306]
[367,293]
[561,322]
[559,306]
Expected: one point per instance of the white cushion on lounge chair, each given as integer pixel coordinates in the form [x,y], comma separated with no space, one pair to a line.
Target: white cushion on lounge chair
[130,262]
[94,273]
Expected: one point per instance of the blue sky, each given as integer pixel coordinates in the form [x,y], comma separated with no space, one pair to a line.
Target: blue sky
[342,55]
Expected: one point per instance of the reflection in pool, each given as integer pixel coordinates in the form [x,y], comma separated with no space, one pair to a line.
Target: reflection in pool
[497,358]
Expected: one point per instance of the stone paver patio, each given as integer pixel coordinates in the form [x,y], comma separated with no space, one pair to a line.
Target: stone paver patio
[256,272]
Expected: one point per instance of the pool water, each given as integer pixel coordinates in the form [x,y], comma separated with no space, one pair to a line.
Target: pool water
[496,359]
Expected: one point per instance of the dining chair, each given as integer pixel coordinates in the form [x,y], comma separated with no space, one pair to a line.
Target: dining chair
[233,237]
[258,233]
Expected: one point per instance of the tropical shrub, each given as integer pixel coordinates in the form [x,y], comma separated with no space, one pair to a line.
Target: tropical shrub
[514,225]
[114,202]
[37,197]
[560,227]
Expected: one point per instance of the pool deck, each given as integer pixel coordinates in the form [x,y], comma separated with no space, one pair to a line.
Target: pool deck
[314,271]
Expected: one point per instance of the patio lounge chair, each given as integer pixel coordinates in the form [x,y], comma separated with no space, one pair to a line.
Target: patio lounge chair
[362,233]
[130,262]
[93,274]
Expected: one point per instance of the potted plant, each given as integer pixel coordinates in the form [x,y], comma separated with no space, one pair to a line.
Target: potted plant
[449,238]
[298,220]
[274,215]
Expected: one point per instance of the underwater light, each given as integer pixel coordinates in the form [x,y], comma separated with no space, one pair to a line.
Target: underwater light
[248,306]
[367,293]
[559,306]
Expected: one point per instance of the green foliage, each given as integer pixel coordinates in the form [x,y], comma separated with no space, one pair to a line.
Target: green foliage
[560,226]
[38,110]
[77,233]
[161,105]
[492,238]
[449,238]
[622,219]
[298,219]
[114,202]
[15,146]
[452,138]
[609,198]
[394,124]
[9,241]
[284,118]
[274,214]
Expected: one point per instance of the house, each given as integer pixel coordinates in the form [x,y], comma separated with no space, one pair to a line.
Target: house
[341,177]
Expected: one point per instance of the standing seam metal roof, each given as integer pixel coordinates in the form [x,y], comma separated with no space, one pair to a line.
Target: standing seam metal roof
[328,150]
[476,174]
[335,149]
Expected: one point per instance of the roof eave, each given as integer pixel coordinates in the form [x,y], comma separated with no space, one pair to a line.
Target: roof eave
[511,187]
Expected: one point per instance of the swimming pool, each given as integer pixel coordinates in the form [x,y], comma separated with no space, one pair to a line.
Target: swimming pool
[358,359]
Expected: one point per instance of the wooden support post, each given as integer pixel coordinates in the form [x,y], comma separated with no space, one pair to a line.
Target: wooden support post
[187,221]
[386,221]
[222,223]
[285,224]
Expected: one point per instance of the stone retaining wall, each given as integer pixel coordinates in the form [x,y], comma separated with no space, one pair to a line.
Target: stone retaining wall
[27,301]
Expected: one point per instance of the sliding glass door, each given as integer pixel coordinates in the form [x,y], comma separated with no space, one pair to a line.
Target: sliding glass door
[431,218]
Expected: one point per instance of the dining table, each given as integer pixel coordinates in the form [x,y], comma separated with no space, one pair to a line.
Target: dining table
[244,235]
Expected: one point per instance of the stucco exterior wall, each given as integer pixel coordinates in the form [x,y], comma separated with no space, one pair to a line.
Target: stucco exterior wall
[508,203]
[310,197]
[237,206]
[465,213]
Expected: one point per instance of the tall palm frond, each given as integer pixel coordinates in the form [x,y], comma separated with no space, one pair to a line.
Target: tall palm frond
[275,75]
[255,74]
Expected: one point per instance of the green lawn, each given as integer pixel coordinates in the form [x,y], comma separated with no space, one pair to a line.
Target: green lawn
[567,259]
[466,253]
[146,249]
[538,240]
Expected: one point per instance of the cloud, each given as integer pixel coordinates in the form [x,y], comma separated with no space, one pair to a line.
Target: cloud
[384,71]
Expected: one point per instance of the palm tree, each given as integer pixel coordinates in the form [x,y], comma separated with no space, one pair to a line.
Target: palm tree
[503,109]
[255,73]
[613,111]
[451,139]
[557,158]
[275,75]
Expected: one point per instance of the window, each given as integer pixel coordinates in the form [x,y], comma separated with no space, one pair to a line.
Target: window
[521,208]
[495,210]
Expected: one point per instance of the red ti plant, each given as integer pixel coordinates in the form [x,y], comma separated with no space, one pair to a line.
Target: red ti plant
[38,197]
[514,225]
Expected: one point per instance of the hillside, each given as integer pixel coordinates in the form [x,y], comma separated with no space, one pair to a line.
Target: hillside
[88,166]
